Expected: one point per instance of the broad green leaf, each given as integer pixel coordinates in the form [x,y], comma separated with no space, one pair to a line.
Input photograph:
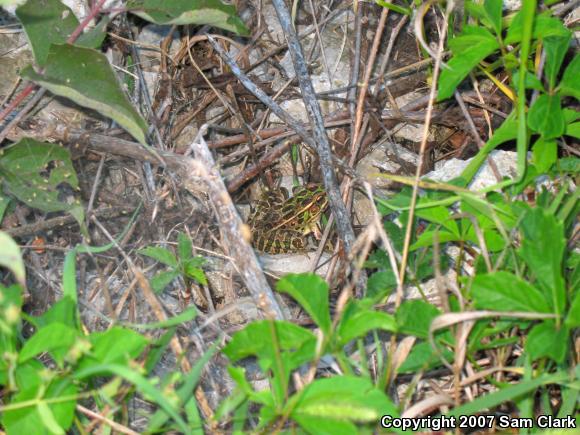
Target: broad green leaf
[162,280]
[569,164]
[415,317]
[569,84]
[543,248]
[94,37]
[358,320]
[184,246]
[160,254]
[181,12]
[439,215]
[555,48]
[423,357]
[394,7]
[46,22]
[56,336]
[504,291]
[545,154]
[544,340]
[194,272]
[493,12]
[115,346]
[546,117]
[311,292]
[48,420]
[493,240]
[11,258]
[573,317]
[381,284]
[573,130]
[470,48]
[32,420]
[49,22]
[62,312]
[34,172]
[427,238]
[339,399]
[86,77]
[544,26]
[257,339]
[532,82]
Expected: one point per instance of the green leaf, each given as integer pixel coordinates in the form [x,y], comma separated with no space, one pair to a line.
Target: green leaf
[115,346]
[555,48]
[504,291]
[257,339]
[311,292]
[573,317]
[162,280]
[439,215]
[184,246]
[493,12]
[56,336]
[395,8]
[329,405]
[470,48]
[194,272]
[33,419]
[543,248]
[33,172]
[160,254]
[358,320]
[94,37]
[546,117]
[544,340]
[427,238]
[381,284]
[62,312]
[531,81]
[181,12]
[545,154]
[423,357]
[415,317]
[544,26]
[46,22]
[11,258]
[85,76]
[569,83]
[573,130]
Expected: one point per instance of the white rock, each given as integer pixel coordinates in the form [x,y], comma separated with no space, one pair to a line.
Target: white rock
[506,162]
[282,264]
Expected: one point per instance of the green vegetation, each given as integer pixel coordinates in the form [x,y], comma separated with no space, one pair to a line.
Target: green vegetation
[524,292]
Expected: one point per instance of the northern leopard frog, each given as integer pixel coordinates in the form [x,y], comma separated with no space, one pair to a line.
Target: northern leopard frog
[282,224]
